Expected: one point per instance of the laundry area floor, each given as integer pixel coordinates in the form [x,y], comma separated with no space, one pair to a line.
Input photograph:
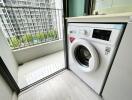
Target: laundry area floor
[63,86]
[37,69]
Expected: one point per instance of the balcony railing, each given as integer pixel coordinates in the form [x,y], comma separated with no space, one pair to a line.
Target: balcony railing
[27,26]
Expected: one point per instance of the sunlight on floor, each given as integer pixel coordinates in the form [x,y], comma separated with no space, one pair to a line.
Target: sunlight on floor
[37,69]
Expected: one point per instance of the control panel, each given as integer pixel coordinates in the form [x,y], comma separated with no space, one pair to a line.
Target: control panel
[108,33]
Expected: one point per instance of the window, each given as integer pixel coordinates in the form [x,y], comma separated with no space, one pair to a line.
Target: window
[4,11]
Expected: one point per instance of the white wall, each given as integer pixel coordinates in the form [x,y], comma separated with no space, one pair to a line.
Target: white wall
[14,96]
[119,83]
[5,91]
[7,56]
[33,52]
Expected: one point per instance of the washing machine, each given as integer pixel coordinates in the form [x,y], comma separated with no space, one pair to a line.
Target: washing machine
[92,48]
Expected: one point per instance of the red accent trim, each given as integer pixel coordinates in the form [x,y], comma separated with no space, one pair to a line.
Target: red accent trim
[72,39]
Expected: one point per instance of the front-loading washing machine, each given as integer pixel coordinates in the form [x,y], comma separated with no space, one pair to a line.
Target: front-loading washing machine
[92,48]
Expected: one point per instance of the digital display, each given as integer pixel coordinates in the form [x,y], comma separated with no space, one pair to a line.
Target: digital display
[101,34]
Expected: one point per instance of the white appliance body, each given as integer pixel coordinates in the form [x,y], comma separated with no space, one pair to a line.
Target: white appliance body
[92,47]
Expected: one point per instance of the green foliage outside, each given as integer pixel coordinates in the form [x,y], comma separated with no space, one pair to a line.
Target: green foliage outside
[41,36]
[27,38]
[55,34]
[52,34]
[14,42]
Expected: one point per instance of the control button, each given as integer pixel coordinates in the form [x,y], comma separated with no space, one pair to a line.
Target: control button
[86,32]
[72,31]
[82,32]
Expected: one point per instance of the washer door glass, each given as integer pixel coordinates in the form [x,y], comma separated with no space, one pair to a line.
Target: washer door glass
[82,55]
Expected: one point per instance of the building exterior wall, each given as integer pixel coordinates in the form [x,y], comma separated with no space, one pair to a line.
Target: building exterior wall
[28,20]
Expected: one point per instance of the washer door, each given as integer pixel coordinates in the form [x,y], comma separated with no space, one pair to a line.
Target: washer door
[85,55]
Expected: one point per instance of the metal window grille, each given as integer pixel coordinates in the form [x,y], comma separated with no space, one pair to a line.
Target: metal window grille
[27,26]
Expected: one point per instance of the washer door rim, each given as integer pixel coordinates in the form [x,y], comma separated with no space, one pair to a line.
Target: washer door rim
[93,61]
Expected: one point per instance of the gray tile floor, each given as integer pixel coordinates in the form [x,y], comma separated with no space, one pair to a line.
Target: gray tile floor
[64,86]
[35,70]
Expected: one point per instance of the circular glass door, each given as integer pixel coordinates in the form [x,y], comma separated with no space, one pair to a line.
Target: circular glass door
[82,55]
